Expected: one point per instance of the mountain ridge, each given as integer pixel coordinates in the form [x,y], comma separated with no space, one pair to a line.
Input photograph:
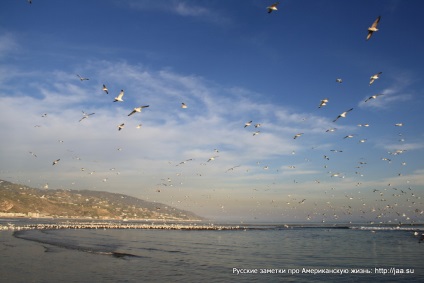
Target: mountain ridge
[21,200]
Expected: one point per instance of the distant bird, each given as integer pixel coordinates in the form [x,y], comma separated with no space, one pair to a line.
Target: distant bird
[339,81]
[33,154]
[44,115]
[258,125]
[105,89]
[138,126]
[256,133]
[363,140]
[273,7]
[373,27]
[56,161]
[297,135]
[323,102]
[373,96]
[30,1]
[138,109]
[348,137]
[375,77]
[363,125]
[399,124]
[331,130]
[248,124]
[85,116]
[343,115]
[120,127]
[82,78]
[119,97]
[212,158]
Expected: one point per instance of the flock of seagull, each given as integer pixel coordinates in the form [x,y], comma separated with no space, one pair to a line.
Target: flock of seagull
[323,102]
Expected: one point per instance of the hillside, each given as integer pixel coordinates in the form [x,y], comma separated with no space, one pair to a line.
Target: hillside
[25,201]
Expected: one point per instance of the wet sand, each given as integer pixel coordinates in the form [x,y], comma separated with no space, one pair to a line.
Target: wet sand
[28,261]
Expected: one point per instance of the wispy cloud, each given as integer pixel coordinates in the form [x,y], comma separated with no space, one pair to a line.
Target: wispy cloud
[8,44]
[392,95]
[192,9]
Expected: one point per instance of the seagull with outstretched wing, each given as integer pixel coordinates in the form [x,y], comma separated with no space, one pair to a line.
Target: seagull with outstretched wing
[343,115]
[119,97]
[373,27]
[138,109]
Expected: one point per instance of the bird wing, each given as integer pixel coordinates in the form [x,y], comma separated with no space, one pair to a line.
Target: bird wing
[375,23]
[132,113]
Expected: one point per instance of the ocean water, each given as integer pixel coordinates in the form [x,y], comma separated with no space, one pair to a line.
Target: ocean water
[260,253]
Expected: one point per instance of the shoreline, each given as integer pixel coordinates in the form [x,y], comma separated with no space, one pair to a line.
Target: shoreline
[109,225]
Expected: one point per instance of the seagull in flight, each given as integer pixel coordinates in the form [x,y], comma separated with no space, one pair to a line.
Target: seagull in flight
[373,27]
[297,135]
[82,78]
[212,158]
[85,116]
[183,105]
[120,127]
[105,89]
[323,102]
[373,96]
[138,109]
[374,77]
[343,115]
[248,124]
[56,161]
[273,7]
[339,81]
[119,97]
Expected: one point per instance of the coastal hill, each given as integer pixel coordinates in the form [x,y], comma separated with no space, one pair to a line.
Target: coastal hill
[20,200]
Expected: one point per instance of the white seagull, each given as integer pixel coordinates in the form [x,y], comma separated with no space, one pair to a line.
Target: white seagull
[343,115]
[85,116]
[212,158]
[297,135]
[373,96]
[323,102]
[273,7]
[138,109]
[56,161]
[374,77]
[248,124]
[120,127]
[119,97]
[104,88]
[183,105]
[399,124]
[339,81]
[373,27]
[82,78]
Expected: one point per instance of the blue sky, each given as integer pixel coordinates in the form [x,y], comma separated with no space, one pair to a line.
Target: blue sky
[230,62]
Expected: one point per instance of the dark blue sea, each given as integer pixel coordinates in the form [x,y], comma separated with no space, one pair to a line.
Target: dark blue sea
[258,253]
